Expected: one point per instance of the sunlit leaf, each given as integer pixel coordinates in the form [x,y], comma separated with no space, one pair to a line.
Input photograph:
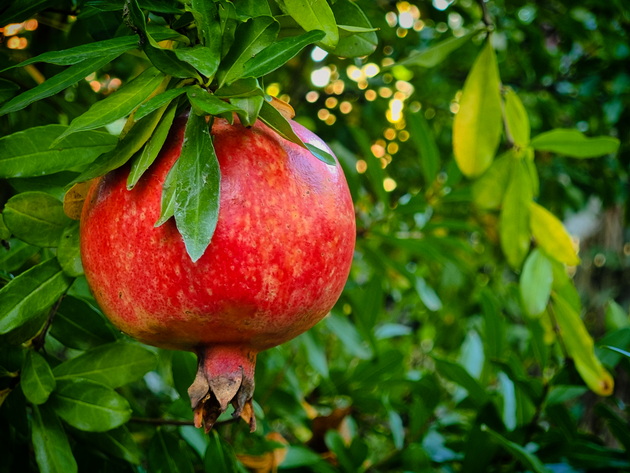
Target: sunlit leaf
[514,224]
[313,15]
[429,155]
[535,283]
[30,293]
[489,189]
[68,251]
[551,236]
[434,55]
[356,35]
[36,218]
[477,127]
[516,119]
[159,101]
[579,346]
[572,143]
[29,153]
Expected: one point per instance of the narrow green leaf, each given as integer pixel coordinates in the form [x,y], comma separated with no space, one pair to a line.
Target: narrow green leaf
[349,336]
[167,61]
[313,15]
[434,55]
[527,458]
[356,36]
[315,353]
[20,10]
[551,236]
[119,104]
[535,283]
[167,209]
[131,143]
[151,150]
[5,233]
[572,143]
[88,405]
[57,83]
[68,251]
[8,89]
[36,379]
[516,119]
[478,124]
[489,189]
[52,449]
[514,223]
[278,53]
[246,87]
[18,254]
[80,326]
[208,25]
[159,101]
[198,188]
[206,103]
[579,346]
[424,141]
[427,295]
[251,38]
[249,106]
[36,218]
[112,365]
[29,153]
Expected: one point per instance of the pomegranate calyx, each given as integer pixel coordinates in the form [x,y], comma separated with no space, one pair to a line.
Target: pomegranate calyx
[225,375]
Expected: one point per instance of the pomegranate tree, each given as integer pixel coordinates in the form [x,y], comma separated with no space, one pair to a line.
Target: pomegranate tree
[276,264]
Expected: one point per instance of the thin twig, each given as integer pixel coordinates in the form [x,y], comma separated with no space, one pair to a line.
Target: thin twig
[486,17]
[39,340]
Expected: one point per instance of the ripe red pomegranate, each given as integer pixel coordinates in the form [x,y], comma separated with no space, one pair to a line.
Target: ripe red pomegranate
[276,265]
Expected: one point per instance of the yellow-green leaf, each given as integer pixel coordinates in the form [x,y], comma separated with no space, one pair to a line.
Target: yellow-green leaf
[573,143]
[477,126]
[535,283]
[551,236]
[514,226]
[579,345]
[516,119]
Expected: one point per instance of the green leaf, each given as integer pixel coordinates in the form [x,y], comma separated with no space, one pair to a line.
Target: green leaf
[615,316]
[169,189]
[551,236]
[88,405]
[572,143]
[119,104]
[118,442]
[198,188]
[184,369]
[478,124]
[251,38]
[527,458]
[424,140]
[30,152]
[459,375]
[516,119]
[17,256]
[29,294]
[514,224]
[36,379]
[349,336]
[206,103]
[427,295]
[250,108]
[36,218]
[434,55]
[356,36]
[489,189]
[68,251]
[208,25]
[20,10]
[5,233]
[579,346]
[246,87]
[70,56]
[8,90]
[78,325]
[298,456]
[131,143]
[112,365]
[203,59]
[315,353]
[57,83]
[168,454]
[50,443]
[151,150]
[278,53]
[313,15]
[159,101]
[535,283]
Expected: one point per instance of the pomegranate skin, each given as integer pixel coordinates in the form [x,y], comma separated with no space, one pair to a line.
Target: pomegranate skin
[277,262]
[276,265]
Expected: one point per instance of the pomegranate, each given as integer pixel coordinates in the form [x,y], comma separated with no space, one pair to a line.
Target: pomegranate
[276,264]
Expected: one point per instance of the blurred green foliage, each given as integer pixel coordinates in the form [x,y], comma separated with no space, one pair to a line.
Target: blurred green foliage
[429,362]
